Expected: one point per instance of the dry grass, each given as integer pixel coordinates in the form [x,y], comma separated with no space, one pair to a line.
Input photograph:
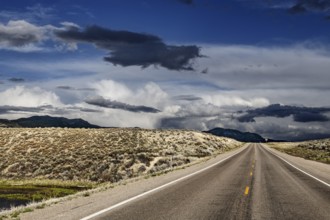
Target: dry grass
[100,155]
[318,150]
[71,158]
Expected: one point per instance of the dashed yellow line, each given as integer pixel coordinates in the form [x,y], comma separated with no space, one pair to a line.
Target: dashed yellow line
[246,190]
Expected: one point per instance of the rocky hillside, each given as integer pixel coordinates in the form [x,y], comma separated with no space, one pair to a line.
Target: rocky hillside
[101,155]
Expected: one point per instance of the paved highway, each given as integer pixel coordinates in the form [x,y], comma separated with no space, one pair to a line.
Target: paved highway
[253,184]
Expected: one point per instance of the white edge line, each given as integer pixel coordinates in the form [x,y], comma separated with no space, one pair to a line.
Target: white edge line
[156,189]
[310,175]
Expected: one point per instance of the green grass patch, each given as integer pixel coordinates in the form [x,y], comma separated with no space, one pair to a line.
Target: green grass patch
[43,205]
[38,190]
[27,210]
[15,214]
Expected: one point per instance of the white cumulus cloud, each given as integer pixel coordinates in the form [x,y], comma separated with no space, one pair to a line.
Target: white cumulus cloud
[20,33]
[29,97]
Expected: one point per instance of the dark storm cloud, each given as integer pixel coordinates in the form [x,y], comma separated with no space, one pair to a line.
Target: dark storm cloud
[174,122]
[17,80]
[85,89]
[301,136]
[8,109]
[73,88]
[300,114]
[205,71]
[106,103]
[105,38]
[187,98]
[181,123]
[65,87]
[67,110]
[84,109]
[129,48]
[309,117]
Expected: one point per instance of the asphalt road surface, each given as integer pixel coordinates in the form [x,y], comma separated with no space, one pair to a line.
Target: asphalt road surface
[254,184]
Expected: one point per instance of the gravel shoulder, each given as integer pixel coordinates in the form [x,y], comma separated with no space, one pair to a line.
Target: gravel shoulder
[83,206]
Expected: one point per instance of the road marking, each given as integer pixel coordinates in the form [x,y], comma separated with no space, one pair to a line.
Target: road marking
[246,190]
[156,189]
[310,175]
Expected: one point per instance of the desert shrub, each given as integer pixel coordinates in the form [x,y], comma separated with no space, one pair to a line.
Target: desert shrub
[99,154]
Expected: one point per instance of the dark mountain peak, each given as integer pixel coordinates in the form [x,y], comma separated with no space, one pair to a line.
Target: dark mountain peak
[47,121]
[237,135]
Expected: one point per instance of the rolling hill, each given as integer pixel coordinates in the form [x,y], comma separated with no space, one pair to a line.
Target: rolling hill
[45,122]
[237,135]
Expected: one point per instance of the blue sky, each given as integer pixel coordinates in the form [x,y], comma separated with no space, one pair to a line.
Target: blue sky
[151,63]
[226,21]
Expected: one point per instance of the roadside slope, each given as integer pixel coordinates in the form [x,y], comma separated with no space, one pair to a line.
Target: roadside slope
[101,155]
[318,150]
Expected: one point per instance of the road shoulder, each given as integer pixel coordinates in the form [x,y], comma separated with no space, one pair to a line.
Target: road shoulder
[317,169]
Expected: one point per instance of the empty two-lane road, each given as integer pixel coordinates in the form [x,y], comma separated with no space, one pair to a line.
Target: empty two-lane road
[254,184]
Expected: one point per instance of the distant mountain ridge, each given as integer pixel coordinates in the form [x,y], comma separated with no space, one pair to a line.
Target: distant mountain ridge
[237,135]
[4,123]
[47,121]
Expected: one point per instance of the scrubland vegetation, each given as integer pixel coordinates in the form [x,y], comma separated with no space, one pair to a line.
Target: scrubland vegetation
[100,155]
[41,163]
[318,150]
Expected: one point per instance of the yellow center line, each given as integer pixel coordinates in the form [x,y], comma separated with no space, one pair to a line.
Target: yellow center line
[246,191]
